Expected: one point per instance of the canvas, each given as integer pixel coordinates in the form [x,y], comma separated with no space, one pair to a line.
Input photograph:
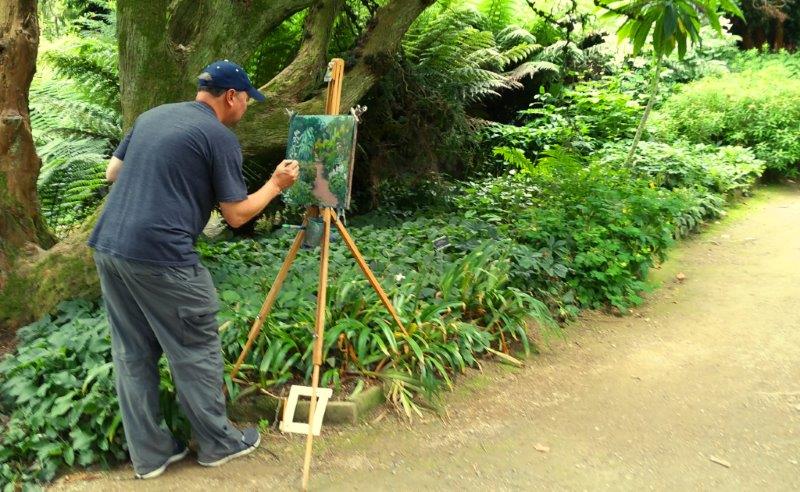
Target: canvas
[324,146]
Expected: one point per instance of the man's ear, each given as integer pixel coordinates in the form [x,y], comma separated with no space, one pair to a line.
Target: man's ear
[230,95]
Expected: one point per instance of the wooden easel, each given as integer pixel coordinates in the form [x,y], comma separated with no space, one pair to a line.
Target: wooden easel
[328,215]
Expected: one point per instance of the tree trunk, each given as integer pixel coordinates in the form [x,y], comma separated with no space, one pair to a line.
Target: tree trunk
[21,223]
[163,46]
[779,34]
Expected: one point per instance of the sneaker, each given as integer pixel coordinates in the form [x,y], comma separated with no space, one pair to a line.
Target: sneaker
[250,441]
[180,453]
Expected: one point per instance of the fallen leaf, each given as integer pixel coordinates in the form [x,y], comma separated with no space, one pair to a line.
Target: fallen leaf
[719,461]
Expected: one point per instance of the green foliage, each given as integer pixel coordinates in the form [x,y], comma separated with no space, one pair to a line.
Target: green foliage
[604,226]
[671,22]
[453,60]
[721,170]
[753,108]
[452,52]
[580,119]
[76,121]
[601,224]
[455,304]
[58,390]
[277,51]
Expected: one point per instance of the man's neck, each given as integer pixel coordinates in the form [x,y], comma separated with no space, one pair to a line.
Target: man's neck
[211,102]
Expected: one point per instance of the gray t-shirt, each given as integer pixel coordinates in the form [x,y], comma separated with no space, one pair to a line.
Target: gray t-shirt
[179,161]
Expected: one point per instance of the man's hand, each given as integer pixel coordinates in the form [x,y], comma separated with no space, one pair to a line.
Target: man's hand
[238,213]
[285,174]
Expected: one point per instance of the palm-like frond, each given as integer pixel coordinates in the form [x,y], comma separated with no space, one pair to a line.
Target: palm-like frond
[57,109]
[512,35]
[92,64]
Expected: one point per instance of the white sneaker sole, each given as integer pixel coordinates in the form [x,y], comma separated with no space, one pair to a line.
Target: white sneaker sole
[226,459]
[159,471]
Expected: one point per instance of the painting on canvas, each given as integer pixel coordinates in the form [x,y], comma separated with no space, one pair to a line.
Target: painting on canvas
[324,145]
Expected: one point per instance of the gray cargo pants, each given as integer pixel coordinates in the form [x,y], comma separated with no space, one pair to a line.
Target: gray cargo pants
[155,309]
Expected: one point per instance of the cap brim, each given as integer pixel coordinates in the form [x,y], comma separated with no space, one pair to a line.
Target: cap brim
[253,92]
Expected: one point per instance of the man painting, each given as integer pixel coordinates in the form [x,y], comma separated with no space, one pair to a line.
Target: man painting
[174,166]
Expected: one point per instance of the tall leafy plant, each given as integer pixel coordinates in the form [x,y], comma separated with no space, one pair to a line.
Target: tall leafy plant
[670,24]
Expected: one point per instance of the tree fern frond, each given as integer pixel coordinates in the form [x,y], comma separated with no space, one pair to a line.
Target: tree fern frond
[512,35]
[91,66]
[518,53]
[497,13]
[531,69]
[76,121]
[557,51]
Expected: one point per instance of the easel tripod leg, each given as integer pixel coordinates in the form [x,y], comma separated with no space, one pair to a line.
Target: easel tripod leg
[266,307]
[351,245]
[319,331]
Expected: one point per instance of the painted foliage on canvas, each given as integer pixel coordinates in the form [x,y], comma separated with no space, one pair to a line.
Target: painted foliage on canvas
[324,145]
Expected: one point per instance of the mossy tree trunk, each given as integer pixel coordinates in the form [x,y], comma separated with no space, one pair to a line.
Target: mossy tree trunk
[22,229]
[163,45]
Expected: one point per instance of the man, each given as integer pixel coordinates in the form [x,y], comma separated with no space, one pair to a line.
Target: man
[175,164]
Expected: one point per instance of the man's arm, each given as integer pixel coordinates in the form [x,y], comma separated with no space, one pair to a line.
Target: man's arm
[113,169]
[238,213]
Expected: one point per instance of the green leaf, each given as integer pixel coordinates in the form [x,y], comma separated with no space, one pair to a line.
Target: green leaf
[69,456]
[100,371]
[81,440]
[230,296]
[62,404]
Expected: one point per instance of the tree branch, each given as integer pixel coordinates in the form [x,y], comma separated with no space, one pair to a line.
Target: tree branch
[295,82]
[263,130]
[221,28]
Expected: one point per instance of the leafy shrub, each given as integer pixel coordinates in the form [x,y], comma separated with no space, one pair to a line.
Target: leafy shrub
[580,119]
[425,111]
[456,304]
[58,391]
[759,109]
[721,170]
[614,226]
[601,226]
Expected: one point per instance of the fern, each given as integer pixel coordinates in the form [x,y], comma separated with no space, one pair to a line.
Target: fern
[532,68]
[456,55]
[514,156]
[76,121]
[563,53]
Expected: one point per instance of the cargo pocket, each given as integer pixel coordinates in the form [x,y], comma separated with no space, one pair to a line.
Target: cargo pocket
[198,324]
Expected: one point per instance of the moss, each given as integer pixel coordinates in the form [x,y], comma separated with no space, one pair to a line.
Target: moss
[14,303]
[31,292]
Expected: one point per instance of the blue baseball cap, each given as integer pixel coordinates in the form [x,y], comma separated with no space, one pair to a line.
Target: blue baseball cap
[224,74]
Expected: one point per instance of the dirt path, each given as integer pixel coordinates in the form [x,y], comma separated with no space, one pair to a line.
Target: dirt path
[708,370]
